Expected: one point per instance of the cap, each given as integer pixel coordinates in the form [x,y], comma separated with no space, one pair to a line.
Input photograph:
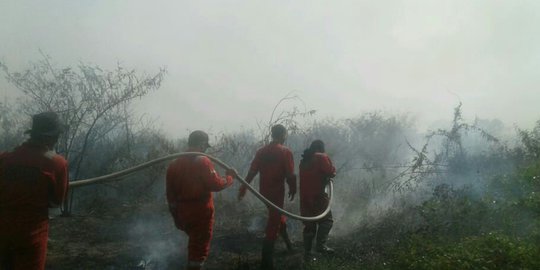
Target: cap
[198,138]
[46,124]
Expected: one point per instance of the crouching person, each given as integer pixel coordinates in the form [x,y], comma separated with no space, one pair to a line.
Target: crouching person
[32,179]
[189,186]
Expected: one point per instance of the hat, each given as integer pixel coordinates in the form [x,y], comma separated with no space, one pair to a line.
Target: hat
[46,124]
[198,138]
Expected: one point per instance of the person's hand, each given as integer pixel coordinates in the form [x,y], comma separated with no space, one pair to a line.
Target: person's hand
[242,192]
[291,194]
[326,181]
[292,190]
[232,172]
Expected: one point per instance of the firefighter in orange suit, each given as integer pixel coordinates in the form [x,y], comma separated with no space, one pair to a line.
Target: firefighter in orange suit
[190,183]
[315,171]
[275,164]
[32,179]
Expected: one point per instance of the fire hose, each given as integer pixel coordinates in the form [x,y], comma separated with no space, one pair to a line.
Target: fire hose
[115,176]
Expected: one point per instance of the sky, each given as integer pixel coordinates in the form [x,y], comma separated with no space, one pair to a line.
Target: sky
[230,62]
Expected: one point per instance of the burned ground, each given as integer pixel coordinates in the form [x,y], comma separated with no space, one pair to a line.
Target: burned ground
[144,237]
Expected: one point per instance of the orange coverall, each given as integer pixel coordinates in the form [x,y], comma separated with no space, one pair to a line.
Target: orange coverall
[190,183]
[275,163]
[31,180]
[314,200]
[313,177]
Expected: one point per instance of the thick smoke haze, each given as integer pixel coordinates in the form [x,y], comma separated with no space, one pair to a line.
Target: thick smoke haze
[427,108]
[229,62]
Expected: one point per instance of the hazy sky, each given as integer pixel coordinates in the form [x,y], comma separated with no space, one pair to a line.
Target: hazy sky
[229,62]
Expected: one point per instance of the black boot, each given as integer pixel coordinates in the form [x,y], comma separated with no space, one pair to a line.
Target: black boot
[322,236]
[308,244]
[283,233]
[267,261]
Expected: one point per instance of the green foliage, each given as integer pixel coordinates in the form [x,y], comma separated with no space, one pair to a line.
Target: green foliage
[453,212]
[499,230]
[335,264]
[488,251]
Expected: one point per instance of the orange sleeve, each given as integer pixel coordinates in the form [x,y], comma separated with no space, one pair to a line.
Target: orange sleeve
[289,170]
[211,178]
[255,163]
[289,162]
[327,167]
[59,187]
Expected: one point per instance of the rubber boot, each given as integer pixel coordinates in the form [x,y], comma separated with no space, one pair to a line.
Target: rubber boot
[322,237]
[283,233]
[267,256]
[308,244]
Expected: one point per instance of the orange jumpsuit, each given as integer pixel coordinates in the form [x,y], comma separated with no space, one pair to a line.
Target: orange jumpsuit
[275,163]
[31,180]
[190,183]
[313,177]
[313,199]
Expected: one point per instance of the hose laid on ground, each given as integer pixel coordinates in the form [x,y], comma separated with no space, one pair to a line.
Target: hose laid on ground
[115,176]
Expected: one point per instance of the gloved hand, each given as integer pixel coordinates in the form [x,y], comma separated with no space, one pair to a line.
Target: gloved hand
[292,192]
[291,182]
[326,181]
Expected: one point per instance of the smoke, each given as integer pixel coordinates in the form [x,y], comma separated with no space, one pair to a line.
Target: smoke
[374,154]
[256,225]
[162,246]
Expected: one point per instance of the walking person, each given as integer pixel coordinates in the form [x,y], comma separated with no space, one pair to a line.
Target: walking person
[316,169]
[189,186]
[275,164]
[33,178]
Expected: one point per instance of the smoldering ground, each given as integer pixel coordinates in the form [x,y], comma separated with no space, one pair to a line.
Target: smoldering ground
[377,199]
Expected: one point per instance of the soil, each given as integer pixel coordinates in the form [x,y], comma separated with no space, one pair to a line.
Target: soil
[144,237]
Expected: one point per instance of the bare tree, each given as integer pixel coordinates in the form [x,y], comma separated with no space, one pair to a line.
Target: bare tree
[289,118]
[10,126]
[91,102]
[452,156]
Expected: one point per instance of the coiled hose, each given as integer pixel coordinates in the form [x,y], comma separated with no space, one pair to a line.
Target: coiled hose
[115,176]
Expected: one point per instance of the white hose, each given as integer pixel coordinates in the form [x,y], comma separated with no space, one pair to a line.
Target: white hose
[115,176]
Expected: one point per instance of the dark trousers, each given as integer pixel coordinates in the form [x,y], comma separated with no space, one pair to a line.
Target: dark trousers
[318,230]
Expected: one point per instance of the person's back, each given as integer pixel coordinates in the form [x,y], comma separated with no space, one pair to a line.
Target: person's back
[275,165]
[190,183]
[273,162]
[189,186]
[32,179]
[313,179]
[28,185]
[315,171]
